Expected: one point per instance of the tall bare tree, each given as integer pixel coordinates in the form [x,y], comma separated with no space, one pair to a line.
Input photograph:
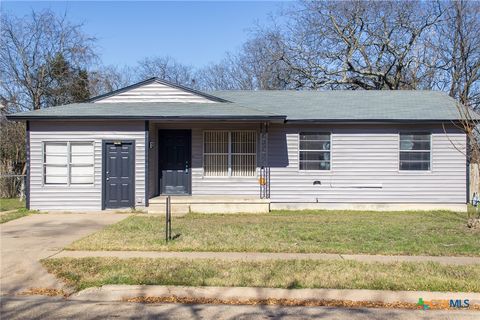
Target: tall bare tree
[255,66]
[458,42]
[109,78]
[166,68]
[28,48]
[359,44]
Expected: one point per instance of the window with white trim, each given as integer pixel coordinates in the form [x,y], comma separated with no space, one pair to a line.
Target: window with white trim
[314,151]
[230,153]
[415,151]
[68,163]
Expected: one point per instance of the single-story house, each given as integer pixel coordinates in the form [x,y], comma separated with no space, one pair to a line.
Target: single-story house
[247,150]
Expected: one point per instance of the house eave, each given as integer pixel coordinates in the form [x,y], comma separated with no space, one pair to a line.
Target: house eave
[160,118]
[369,121]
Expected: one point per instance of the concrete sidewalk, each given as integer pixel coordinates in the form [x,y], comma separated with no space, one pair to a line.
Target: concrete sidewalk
[123,292]
[258,256]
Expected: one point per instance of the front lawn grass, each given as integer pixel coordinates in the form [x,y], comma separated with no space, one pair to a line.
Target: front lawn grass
[354,232]
[9,216]
[7,204]
[92,272]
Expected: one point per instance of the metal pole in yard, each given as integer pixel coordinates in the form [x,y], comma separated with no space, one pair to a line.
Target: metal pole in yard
[169,218]
[167,208]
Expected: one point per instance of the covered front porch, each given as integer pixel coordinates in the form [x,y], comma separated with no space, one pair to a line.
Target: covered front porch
[208,166]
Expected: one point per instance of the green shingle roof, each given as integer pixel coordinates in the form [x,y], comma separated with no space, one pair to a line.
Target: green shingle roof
[149,110]
[349,105]
[281,105]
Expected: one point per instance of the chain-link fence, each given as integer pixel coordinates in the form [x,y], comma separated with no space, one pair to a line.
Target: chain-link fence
[12,186]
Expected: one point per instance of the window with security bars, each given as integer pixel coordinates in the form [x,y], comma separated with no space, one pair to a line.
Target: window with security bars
[415,151]
[67,163]
[314,151]
[230,153]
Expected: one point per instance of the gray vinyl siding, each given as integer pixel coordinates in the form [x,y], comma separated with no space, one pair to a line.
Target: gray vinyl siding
[364,166]
[155,92]
[202,185]
[84,197]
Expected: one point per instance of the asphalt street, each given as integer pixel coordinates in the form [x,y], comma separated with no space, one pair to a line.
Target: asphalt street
[37,307]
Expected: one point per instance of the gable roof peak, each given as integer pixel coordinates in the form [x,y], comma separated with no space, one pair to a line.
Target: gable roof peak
[159,81]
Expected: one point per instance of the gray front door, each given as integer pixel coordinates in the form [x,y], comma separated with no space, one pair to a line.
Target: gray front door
[174,161]
[118,175]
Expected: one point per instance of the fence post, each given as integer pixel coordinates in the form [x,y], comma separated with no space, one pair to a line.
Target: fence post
[474,183]
[12,185]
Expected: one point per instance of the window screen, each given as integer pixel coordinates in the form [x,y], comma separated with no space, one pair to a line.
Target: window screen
[314,151]
[215,162]
[415,151]
[230,153]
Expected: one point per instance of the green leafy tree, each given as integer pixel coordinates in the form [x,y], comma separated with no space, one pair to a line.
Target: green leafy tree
[67,84]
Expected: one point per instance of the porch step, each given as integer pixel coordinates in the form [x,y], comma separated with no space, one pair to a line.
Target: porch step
[209,204]
[177,209]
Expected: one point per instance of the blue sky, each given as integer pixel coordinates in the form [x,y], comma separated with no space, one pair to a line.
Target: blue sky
[195,33]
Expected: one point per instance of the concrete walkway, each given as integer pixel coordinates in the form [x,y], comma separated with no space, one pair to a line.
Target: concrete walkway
[258,256]
[123,292]
[27,240]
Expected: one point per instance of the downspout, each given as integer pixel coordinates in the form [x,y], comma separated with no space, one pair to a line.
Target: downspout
[467,172]
[147,159]
[27,177]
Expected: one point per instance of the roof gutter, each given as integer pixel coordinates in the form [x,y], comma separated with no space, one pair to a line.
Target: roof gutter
[172,118]
[367,121]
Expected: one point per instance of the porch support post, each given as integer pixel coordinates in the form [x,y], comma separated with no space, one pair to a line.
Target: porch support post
[147,148]
[264,166]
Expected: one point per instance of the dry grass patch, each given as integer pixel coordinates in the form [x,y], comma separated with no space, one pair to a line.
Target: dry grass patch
[292,302]
[50,292]
[407,233]
[9,216]
[92,272]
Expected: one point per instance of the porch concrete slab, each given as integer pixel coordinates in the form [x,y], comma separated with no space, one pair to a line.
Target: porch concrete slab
[182,205]
[210,199]
[259,256]
[26,240]
[123,292]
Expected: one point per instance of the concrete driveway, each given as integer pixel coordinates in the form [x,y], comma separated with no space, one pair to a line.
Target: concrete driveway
[27,240]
